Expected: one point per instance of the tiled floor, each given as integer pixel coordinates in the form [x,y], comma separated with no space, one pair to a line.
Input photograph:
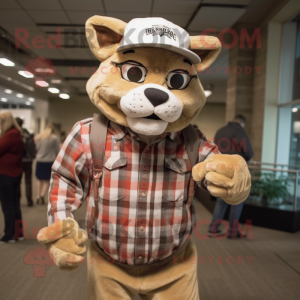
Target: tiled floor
[265,267]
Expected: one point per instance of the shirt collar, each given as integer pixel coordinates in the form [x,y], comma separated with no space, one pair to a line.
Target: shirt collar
[120,131]
[235,124]
[174,136]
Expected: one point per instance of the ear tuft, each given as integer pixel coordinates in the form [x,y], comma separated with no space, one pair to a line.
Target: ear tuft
[207,48]
[104,35]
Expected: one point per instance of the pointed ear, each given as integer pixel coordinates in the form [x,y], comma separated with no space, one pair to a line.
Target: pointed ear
[207,48]
[103,35]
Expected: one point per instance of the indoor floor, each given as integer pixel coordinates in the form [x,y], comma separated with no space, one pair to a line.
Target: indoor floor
[273,271]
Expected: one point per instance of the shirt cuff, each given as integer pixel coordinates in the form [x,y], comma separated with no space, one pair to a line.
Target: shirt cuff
[60,215]
[203,184]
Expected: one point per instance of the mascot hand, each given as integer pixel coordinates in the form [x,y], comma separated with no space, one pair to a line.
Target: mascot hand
[65,240]
[227,177]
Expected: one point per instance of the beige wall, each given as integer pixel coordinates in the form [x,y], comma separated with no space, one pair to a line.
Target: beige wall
[211,118]
[68,112]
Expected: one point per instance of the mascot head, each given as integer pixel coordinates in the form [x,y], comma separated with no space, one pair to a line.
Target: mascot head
[147,79]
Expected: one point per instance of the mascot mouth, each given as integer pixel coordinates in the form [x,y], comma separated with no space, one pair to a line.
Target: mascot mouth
[146,125]
[153,117]
[149,108]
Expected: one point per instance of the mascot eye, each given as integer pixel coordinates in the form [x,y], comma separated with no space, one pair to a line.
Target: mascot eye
[132,71]
[179,79]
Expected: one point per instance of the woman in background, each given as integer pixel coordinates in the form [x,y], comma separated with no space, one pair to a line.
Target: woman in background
[47,146]
[11,169]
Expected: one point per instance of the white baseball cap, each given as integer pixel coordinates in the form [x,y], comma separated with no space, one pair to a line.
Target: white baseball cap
[157,32]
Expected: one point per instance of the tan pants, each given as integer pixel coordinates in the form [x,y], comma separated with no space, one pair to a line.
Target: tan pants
[174,280]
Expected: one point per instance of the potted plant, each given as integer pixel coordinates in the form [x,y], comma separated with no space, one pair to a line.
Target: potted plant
[270,188]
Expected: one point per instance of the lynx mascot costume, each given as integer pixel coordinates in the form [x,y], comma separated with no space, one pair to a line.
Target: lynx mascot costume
[137,162]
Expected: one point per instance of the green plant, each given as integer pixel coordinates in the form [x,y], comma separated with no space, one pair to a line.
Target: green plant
[269,187]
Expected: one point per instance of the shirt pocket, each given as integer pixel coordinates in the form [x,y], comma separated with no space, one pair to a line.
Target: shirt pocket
[113,179]
[178,174]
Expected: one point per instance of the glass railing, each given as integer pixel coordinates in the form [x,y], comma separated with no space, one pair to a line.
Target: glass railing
[274,186]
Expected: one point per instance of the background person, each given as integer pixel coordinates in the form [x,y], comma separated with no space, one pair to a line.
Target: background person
[231,139]
[11,169]
[28,156]
[48,146]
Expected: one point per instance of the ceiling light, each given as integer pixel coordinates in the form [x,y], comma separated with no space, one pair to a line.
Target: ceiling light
[31,99]
[20,95]
[55,81]
[295,109]
[64,96]
[26,74]
[207,93]
[25,86]
[6,62]
[4,99]
[53,90]
[42,70]
[28,103]
[7,91]
[42,83]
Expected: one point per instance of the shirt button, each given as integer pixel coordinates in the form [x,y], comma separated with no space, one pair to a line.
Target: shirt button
[143,194]
[140,257]
[108,166]
[142,228]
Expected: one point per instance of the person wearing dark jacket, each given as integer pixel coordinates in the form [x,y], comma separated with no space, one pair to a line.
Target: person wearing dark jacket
[11,169]
[28,156]
[231,139]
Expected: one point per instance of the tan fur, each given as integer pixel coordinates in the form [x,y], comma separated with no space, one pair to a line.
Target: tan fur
[106,90]
[207,47]
[116,25]
[106,87]
[65,240]
[227,175]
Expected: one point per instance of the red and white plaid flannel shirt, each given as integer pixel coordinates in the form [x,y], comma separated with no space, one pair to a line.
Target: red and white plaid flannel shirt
[145,195]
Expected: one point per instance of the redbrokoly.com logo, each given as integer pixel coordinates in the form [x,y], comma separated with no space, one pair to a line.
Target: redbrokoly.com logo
[39,258]
[41,68]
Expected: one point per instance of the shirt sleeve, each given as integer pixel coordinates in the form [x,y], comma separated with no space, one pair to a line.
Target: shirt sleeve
[37,143]
[246,150]
[206,150]
[57,146]
[5,144]
[70,180]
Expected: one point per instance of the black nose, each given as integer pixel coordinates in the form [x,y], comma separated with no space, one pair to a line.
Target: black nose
[156,96]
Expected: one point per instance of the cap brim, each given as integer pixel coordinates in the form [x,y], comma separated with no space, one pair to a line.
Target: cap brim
[193,57]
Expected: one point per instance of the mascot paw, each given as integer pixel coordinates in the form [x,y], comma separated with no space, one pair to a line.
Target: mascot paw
[65,240]
[227,177]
